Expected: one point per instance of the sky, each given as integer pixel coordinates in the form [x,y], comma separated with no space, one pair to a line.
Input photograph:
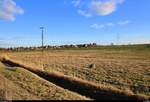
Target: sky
[74,22]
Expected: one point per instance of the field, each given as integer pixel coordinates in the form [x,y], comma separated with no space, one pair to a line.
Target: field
[23,85]
[124,67]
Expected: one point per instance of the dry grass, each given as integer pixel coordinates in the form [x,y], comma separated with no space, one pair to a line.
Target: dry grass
[14,91]
[92,90]
[23,85]
[124,69]
[2,91]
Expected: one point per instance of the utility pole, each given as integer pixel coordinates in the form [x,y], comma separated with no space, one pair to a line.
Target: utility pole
[118,38]
[42,36]
[42,42]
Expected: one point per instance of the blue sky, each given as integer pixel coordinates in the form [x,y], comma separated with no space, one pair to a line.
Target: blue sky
[74,21]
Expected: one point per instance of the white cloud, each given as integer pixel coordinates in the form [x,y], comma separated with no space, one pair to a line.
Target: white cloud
[76,2]
[84,13]
[100,26]
[97,26]
[8,10]
[103,8]
[97,7]
[110,24]
[124,22]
